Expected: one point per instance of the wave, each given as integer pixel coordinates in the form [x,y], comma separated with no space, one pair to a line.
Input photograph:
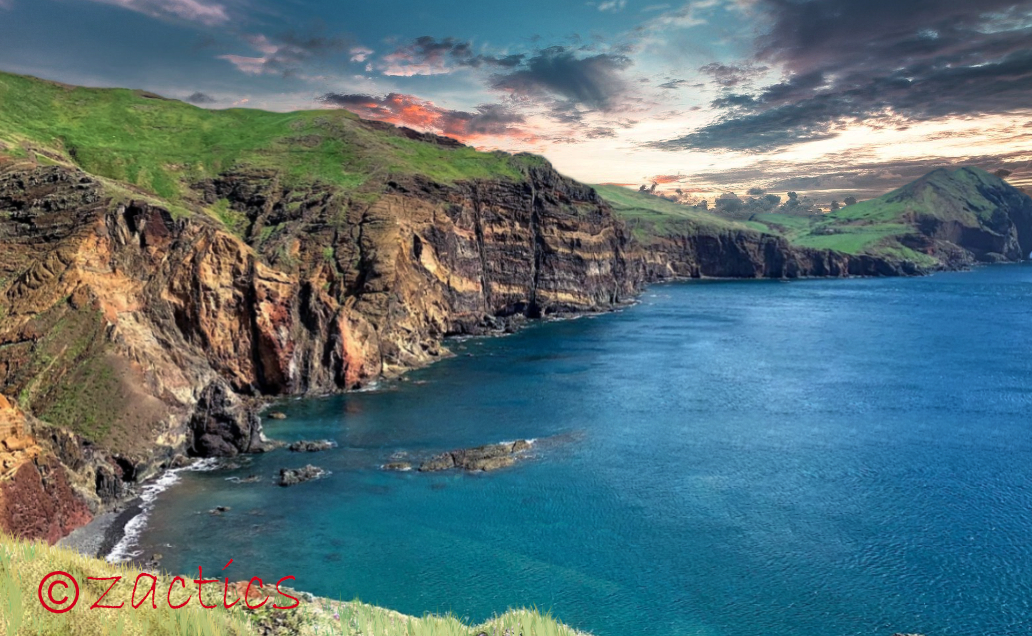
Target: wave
[124,549]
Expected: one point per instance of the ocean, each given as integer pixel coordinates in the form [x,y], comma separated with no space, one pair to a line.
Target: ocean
[751,458]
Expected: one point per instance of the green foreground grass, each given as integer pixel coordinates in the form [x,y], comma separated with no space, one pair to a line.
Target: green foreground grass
[24,564]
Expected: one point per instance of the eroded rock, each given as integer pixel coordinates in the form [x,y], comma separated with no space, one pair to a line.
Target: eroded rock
[222,426]
[294,476]
[305,446]
[482,458]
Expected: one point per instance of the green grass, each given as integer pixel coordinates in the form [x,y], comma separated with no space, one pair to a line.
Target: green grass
[163,146]
[235,222]
[650,216]
[877,226]
[24,564]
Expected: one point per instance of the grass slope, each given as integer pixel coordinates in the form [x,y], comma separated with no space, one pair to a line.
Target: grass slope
[650,216]
[161,145]
[875,226]
[23,565]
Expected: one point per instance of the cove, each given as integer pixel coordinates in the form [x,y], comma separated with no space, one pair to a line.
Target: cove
[734,458]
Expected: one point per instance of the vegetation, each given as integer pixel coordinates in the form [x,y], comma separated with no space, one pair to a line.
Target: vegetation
[162,146]
[650,216]
[24,564]
[874,227]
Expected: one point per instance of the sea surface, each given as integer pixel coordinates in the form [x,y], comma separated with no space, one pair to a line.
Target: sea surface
[754,458]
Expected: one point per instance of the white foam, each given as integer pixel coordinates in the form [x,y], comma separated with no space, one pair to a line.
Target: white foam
[123,550]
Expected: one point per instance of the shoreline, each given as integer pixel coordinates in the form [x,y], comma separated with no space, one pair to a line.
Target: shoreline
[99,537]
[111,530]
[112,535]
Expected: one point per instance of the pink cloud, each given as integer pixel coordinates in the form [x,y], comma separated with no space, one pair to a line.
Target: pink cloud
[249,65]
[207,13]
[404,64]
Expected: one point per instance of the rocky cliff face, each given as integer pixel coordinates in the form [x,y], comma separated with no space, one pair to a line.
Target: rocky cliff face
[968,216]
[144,333]
[734,254]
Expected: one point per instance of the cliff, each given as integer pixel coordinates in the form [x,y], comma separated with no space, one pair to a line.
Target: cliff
[145,332]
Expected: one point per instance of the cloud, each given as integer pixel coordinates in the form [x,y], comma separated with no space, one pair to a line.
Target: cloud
[687,16]
[877,61]
[841,175]
[729,75]
[360,53]
[429,56]
[202,11]
[612,5]
[200,99]
[673,84]
[664,179]
[596,82]
[287,54]
[411,111]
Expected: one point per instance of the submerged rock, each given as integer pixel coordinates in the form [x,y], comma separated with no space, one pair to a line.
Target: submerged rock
[277,415]
[401,466]
[250,479]
[294,476]
[481,458]
[305,446]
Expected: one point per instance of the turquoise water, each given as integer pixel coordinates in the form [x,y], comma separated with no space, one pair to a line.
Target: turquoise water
[734,458]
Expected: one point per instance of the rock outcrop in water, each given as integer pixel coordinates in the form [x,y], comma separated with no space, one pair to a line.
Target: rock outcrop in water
[481,458]
[306,446]
[295,476]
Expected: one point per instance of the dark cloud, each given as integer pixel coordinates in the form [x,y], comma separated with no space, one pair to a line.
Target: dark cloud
[314,44]
[596,82]
[673,84]
[755,192]
[876,60]
[287,54]
[201,99]
[427,55]
[407,110]
[730,75]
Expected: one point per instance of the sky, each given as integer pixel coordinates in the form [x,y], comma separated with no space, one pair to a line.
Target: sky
[828,98]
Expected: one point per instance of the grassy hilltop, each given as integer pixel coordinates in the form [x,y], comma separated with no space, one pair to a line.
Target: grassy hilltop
[161,145]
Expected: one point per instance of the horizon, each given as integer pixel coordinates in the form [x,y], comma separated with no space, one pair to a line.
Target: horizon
[696,96]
